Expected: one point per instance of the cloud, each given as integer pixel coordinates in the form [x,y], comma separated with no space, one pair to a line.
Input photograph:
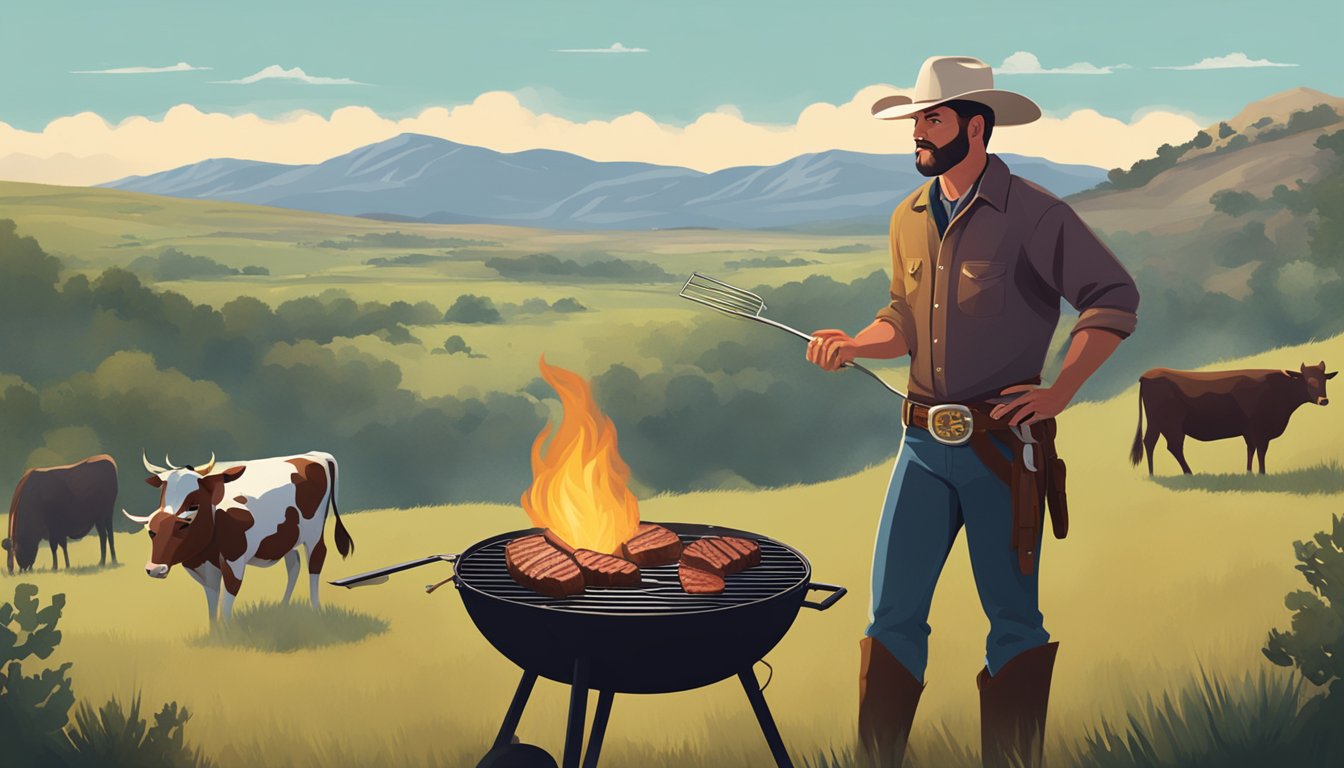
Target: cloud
[615,48]
[1230,61]
[277,72]
[180,66]
[499,121]
[1024,63]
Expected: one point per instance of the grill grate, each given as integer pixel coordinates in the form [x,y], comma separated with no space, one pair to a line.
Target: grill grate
[781,569]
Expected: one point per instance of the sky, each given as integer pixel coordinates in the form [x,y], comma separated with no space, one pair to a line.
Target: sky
[113,86]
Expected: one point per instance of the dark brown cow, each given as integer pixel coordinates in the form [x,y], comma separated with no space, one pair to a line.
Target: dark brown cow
[1252,404]
[59,504]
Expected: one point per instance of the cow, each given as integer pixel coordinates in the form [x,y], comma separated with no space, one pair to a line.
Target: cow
[1252,404]
[216,521]
[59,504]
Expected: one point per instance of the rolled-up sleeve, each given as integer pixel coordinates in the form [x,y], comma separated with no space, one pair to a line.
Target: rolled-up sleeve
[896,311]
[1069,257]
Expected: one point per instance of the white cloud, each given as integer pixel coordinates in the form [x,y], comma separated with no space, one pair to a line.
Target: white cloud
[1025,63]
[615,48]
[498,120]
[180,66]
[277,72]
[1230,61]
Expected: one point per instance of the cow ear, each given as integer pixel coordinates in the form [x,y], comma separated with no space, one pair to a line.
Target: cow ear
[231,474]
[1331,374]
[1292,374]
[155,481]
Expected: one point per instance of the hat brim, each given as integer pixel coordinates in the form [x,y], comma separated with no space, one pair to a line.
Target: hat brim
[1009,108]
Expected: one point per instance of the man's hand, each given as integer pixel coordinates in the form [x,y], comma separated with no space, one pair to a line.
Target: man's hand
[1033,404]
[831,349]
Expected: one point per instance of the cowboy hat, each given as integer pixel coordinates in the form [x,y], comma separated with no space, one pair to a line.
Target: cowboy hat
[949,78]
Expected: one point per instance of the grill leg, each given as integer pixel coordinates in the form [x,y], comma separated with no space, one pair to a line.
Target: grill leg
[578,709]
[600,718]
[748,678]
[515,713]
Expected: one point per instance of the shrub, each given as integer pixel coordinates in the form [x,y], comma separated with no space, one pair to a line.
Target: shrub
[568,304]
[33,708]
[1225,130]
[470,308]
[114,737]
[1234,203]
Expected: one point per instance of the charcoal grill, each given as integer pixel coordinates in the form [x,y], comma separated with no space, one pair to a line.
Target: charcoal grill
[655,638]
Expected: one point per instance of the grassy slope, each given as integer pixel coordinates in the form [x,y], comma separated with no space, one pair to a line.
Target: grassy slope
[1151,582]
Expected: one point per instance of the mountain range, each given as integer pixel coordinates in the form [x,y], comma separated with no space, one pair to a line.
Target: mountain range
[412,177]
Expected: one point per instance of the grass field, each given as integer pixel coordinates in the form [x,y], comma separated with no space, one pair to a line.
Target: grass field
[1157,580]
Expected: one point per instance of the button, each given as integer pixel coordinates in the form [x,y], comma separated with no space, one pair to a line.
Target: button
[940,266]
[935,306]
[939,370]
[935,341]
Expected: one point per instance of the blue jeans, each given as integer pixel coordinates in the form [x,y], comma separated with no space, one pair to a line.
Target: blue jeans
[936,489]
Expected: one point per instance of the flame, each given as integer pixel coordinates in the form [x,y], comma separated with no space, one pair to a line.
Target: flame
[579,487]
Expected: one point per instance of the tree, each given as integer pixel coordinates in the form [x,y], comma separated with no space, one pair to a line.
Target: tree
[1234,203]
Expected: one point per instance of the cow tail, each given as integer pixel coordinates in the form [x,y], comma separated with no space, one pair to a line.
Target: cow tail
[344,544]
[1136,450]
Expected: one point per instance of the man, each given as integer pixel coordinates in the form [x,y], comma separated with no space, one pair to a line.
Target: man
[981,259]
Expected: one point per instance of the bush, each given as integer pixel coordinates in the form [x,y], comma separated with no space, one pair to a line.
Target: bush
[34,709]
[1315,643]
[568,304]
[1234,203]
[470,308]
[114,737]
[1225,130]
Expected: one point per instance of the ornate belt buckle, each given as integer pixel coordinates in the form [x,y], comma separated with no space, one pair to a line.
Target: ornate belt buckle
[951,423]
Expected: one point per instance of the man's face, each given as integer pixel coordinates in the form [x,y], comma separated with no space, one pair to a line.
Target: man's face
[940,141]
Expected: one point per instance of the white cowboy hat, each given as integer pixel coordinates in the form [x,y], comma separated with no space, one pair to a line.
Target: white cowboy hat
[947,78]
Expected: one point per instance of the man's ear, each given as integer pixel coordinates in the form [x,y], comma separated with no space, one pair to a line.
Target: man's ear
[155,481]
[975,127]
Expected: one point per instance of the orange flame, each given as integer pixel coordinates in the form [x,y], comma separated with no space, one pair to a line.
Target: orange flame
[579,487]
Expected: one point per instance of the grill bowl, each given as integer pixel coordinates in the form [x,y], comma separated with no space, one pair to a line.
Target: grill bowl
[653,639]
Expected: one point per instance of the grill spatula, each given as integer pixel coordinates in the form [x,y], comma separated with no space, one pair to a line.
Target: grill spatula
[716,294]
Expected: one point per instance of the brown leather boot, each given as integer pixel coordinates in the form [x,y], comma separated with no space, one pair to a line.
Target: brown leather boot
[1012,709]
[888,695]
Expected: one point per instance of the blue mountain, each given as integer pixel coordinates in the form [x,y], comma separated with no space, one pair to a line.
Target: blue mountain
[422,178]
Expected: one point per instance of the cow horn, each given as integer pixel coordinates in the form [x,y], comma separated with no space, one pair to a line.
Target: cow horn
[150,467]
[209,466]
[169,462]
[141,520]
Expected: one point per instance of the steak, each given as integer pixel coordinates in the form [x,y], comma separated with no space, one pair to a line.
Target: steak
[710,554]
[722,554]
[601,570]
[652,545]
[538,565]
[698,582]
[749,553]
[554,540]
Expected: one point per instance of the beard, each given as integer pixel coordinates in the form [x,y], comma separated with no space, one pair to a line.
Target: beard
[945,158]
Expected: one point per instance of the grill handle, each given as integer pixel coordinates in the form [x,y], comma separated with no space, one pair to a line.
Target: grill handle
[836,593]
[380,576]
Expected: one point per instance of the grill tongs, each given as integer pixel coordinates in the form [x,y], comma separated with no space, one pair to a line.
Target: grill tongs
[729,299]
[379,576]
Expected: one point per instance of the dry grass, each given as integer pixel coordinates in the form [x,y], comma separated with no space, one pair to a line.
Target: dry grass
[1152,583]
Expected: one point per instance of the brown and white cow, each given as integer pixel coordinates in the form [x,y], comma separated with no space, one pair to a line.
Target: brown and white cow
[1215,405]
[216,521]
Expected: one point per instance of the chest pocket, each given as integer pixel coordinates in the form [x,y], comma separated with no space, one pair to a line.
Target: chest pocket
[914,275]
[980,288]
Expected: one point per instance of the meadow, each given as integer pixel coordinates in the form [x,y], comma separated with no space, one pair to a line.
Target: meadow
[1156,581]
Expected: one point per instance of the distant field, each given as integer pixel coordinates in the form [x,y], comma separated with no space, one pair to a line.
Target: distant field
[1152,583]
[92,229]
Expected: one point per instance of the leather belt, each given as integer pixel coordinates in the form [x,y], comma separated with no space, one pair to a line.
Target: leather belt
[951,423]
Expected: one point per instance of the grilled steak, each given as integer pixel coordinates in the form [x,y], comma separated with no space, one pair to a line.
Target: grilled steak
[710,554]
[749,553]
[601,570]
[652,545]
[699,582]
[539,566]
[555,541]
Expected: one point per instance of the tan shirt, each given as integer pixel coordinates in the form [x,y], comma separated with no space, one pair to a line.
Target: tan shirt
[979,307]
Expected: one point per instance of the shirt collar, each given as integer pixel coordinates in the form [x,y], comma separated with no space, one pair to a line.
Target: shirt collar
[992,186]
